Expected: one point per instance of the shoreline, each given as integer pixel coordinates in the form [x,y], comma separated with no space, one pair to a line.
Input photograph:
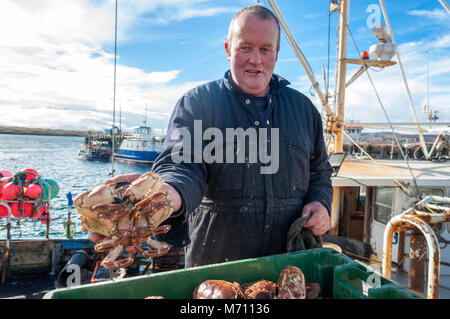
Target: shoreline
[17,130]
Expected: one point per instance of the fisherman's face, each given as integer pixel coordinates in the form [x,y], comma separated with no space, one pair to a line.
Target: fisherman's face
[253,53]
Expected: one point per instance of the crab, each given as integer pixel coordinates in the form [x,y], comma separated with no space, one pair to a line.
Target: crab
[127,215]
[261,289]
[291,284]
[218,289]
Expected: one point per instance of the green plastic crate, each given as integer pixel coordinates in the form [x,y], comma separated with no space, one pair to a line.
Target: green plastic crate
[351,282]
[324,266]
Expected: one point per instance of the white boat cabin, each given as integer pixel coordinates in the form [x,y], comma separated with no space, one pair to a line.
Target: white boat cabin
[370,197]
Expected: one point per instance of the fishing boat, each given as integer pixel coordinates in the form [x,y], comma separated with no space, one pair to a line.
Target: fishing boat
[97,146]
[140,147]
[95,151]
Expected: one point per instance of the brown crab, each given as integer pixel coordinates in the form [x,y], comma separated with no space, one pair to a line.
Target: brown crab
[291,284]
[127,215]
[261,289]
[218,289]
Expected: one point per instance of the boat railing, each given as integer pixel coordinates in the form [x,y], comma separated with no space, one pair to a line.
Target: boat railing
[429,210]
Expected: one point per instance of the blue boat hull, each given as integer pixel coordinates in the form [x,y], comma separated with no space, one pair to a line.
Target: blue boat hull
[139,157]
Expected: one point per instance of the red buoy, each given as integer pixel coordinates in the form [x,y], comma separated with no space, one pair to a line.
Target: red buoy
[5,173]
[3,211]
[42,215]
[25,211]
[32,175]
[11,191]
[33,191]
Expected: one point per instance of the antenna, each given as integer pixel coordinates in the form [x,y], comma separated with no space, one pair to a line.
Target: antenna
[145,119]
[428,79]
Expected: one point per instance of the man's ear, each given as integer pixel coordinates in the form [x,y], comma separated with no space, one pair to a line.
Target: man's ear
[227,50]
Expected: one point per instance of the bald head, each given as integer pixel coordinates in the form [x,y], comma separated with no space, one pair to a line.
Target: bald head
[258,12]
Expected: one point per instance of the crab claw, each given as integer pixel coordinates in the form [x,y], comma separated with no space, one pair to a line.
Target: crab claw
[106,244]
[111,261]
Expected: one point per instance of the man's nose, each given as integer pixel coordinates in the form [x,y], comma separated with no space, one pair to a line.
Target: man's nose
[255,57]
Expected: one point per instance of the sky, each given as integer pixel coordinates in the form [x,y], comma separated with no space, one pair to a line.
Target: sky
[57,58]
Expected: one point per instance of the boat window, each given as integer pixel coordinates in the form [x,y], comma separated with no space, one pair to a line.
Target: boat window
[383,204]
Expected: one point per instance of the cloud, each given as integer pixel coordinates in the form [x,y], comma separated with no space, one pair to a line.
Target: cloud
[437,15]
[57,74]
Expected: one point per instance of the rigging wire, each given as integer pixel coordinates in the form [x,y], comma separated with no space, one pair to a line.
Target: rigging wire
[382,107]
[328,60]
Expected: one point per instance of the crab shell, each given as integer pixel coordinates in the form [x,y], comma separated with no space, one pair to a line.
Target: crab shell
[261,289]
[218,289]
[291,284]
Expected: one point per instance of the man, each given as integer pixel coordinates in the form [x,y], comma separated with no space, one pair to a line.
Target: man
[233,209]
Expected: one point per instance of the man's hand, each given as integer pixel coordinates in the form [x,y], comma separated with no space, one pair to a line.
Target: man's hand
[319,223]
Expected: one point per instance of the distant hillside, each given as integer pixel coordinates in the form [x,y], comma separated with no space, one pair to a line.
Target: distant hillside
[387,137]
[38,131]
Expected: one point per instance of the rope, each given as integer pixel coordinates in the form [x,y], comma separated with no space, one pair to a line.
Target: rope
[382,107]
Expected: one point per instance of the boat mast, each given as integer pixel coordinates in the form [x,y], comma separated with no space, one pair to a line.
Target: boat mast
[114,97]
[341,72]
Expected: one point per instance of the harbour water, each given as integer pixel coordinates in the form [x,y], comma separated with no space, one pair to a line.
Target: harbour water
[55,157]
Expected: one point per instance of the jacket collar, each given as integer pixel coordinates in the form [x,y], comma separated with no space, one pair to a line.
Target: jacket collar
[276,83]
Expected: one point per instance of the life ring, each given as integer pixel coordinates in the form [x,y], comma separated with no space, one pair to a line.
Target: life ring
[144,143]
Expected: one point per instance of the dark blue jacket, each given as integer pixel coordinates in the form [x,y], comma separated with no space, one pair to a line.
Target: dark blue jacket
[234,211]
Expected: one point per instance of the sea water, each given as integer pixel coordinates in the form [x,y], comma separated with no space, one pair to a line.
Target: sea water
[55,157]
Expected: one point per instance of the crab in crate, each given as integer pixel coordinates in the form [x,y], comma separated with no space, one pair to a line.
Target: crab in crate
[127,215]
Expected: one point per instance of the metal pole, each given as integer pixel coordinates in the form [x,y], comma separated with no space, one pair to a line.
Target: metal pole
[341,73]
[8,242]
[114,97]
[339,106]
[417,254]
[413,109]
[445,5]
[432,244]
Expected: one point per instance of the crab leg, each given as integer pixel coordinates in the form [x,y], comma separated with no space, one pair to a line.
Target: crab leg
[112,211]
[158,207]
[159,249]
[111,261]
[106,244]
[146,232]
